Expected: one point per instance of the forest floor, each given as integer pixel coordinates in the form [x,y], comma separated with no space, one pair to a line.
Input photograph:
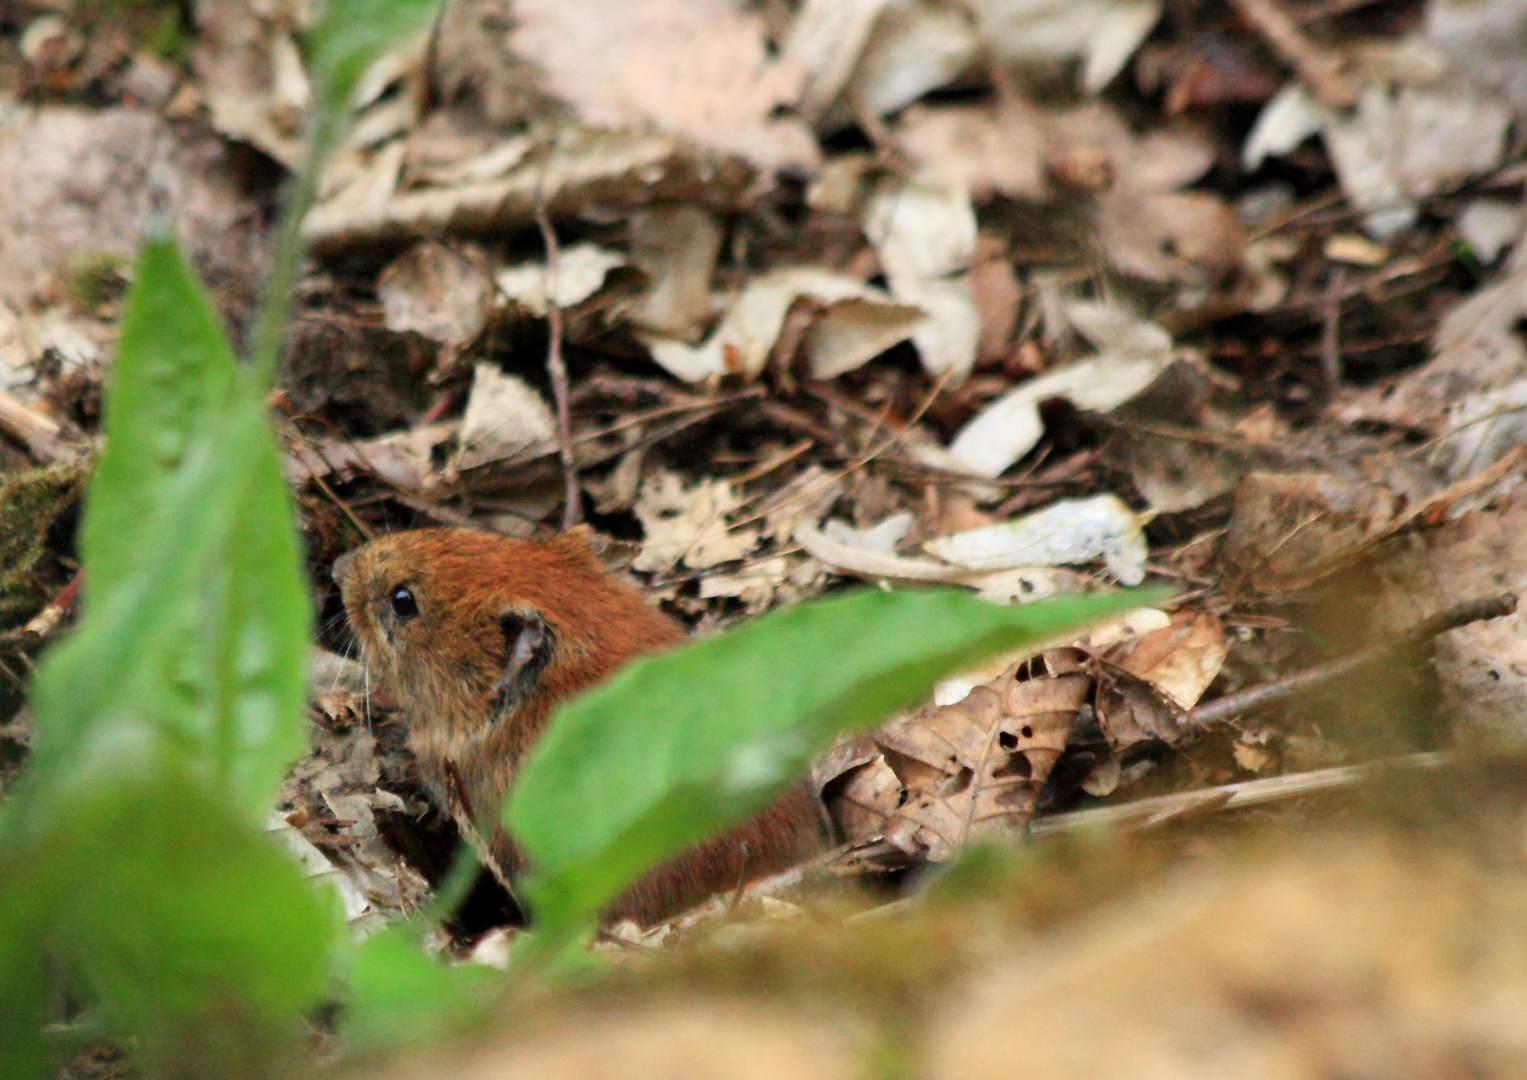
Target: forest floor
[1015,297]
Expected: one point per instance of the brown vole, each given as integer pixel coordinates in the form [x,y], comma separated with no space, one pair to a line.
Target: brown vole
[479,637]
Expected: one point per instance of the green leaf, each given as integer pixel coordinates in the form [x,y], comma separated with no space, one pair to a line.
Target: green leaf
[680,745]
[401,997]
[351,35]
[197,933]
[174,376]
[197,612]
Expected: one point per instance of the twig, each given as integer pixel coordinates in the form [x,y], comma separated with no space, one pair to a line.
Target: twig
[1144,813]
[1316,65]
[1330,334]
[573,508]
[42,625]
[38,432]
[1301,682]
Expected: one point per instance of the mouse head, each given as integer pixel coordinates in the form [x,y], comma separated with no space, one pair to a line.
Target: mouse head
[467,627]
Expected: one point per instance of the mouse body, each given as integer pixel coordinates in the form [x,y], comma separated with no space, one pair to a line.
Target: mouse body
[479,637]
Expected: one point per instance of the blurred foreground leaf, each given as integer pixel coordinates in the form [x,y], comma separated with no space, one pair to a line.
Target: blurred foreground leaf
[678,746]
[165,721]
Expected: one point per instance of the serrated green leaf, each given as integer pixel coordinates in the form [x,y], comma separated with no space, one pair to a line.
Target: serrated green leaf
[351,35]
[678,746]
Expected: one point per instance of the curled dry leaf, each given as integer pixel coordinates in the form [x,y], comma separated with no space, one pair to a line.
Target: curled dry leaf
[1132,354]
[1105,32]
[371,198]
[581,270]
[404,459]
[505,418]
[1393,149]
[1069,531]
[925,237]
[857,322]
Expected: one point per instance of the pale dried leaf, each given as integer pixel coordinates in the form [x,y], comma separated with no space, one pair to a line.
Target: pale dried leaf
[1182,658]
[580,273]
[688,524]
[925,237]
[505,418]
[1067,532]
[915,47]
[1489,226]
[1009,427]
[827,38]
[442,292]
[742,343]
[698,69]
[1105,32]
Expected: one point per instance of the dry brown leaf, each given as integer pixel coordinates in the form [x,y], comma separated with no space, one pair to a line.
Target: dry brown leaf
[687,525]
[943,774]
[697,69]
[1181,658]
[444,293]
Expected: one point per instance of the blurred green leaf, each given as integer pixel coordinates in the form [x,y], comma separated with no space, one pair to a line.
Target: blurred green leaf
[178,380]
[399,996]
[680,745]
[197,610]
[197,933]
[166,719]
[351,35]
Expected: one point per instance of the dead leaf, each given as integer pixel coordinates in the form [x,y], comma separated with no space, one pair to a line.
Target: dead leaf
[699,70]
[688,524]
[1132,354]
[580,273]
[444,293]
[857,323]
[1105,32]
[505,418]
[1181,658]
[676,248]
[1066,532]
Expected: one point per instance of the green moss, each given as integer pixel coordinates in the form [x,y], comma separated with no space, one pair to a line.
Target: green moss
[29,502]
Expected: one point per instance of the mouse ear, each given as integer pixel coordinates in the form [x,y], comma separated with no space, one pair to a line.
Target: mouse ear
[527,648]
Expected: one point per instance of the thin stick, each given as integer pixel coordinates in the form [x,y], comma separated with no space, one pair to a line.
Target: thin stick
[42,625]
[572,510]
[1301,682]
[1317,66]
[1144,813]
[1330,335]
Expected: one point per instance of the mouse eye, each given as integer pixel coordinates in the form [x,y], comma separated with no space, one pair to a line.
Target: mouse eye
[404,606]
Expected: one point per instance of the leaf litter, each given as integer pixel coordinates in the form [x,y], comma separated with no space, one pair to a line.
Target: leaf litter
[1019,297]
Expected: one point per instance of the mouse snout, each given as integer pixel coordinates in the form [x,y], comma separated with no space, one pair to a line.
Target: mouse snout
[342,567]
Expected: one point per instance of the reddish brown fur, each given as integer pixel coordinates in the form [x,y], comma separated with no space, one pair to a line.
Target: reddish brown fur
[442,666]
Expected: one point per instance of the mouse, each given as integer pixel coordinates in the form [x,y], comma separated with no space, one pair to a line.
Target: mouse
[478,637]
